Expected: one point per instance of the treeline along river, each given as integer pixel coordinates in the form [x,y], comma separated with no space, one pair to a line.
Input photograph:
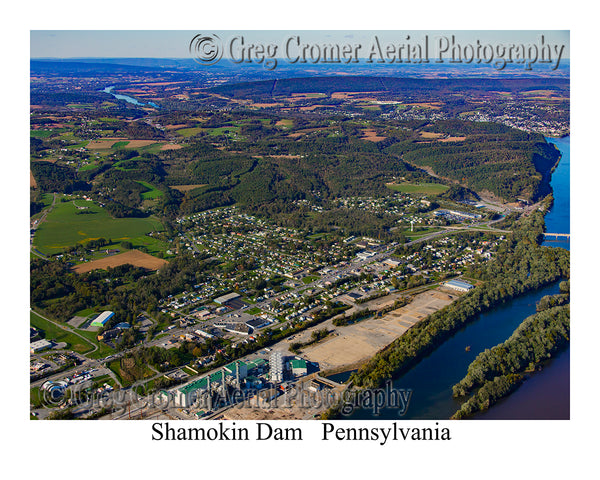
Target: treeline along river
[544,394]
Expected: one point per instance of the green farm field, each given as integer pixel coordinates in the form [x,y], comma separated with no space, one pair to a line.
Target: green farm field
[424,188]
[285,123]
[227,130]
[189,132]
[152,192]
[66,226]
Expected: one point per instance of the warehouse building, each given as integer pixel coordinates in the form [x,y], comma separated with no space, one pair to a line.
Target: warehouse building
[226,299]
[257,366]
[188,394]
[459,285]
[38,346]
[257,323]
[101,319]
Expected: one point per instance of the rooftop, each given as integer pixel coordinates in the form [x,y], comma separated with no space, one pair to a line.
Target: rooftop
[459,283]
[298,363]
[226,298]
[103,317]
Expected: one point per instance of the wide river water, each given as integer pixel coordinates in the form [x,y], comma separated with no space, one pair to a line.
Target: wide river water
[127,98]
[545,395]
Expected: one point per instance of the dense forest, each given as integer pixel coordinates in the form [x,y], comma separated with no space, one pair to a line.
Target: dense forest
[507,162]
[286,87]
[57,178]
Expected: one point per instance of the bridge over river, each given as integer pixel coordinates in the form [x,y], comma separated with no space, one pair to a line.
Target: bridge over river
[558,235]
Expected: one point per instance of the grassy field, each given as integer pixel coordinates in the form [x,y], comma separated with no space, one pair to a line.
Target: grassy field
[418,234]
[103,349]
[153,148]
[228,130]
[66,226]
[89,166]
[69,137]
[86,312]
[152,192]
[128,164]
[52,332]
[285,123]
[189,132]
[151,245]
[310,279]
[35,398]
[115,366]
[40,133]
[424,188]
[254,311]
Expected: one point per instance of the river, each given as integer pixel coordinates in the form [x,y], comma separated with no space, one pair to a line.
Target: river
[544,394]
[127,98]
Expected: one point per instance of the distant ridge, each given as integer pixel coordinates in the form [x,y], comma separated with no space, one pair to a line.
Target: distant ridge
[71,67]
[390,85]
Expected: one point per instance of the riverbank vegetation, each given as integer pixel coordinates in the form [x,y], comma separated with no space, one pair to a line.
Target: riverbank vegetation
[498,371]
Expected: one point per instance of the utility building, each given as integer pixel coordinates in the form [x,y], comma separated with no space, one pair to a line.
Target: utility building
[298,367]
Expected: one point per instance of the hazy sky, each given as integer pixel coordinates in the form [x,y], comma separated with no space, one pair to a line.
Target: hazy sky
[175,44]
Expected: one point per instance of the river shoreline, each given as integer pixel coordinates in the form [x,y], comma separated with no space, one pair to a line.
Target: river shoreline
[432,378]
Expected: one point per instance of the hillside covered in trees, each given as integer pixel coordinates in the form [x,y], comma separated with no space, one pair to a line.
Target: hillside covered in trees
[486,157]
[267,169]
